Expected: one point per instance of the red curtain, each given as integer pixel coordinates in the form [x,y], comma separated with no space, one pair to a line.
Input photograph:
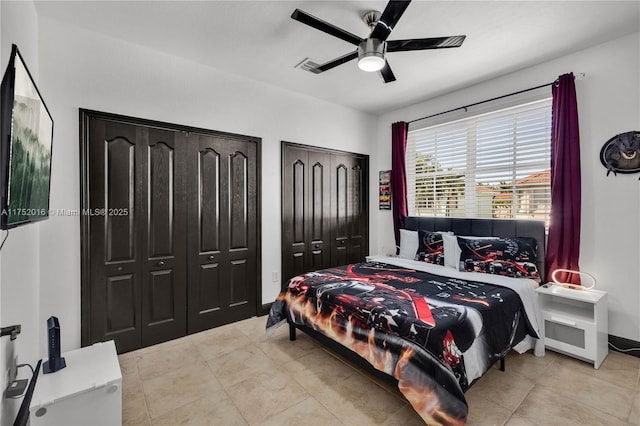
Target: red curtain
[563,246]
[398,176]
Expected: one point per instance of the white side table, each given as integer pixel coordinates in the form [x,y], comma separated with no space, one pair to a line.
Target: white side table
[88,391]
[575,322]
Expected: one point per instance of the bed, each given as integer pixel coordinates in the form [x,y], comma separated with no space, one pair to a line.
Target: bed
[434,325]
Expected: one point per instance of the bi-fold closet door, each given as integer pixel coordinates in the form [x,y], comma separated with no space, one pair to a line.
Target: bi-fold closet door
[169,230]
[324,208]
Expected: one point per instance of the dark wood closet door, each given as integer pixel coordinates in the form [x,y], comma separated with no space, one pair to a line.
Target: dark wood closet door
[349,210]
[138,266]
[319,210]
[115,278]
[222,239]
[324,209]
[163,242]
[170,229]
[306,209]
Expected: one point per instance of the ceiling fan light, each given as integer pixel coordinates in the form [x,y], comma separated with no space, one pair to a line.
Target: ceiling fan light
[371,63]
[371,55]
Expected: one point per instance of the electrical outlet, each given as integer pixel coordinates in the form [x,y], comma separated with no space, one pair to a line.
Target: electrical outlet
[275,276]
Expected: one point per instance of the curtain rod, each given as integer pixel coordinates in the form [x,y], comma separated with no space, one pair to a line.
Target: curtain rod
[485,101]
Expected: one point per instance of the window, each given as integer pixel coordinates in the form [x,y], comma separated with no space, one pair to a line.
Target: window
[491,165]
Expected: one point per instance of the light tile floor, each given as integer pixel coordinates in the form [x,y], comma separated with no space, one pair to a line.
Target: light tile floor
[235,375]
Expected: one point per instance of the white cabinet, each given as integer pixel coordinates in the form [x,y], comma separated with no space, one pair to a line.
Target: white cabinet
[575,322]
[88,391]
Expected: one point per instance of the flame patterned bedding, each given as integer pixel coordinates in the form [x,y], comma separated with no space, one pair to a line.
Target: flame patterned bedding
[434,334]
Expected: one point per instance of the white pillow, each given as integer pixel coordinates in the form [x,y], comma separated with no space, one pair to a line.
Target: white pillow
[409,244]
[452,250]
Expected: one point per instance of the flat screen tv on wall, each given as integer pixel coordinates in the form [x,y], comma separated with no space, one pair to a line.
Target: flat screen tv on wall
[26,128]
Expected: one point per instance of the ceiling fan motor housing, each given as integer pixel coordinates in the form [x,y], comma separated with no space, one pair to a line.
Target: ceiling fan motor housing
[371,54]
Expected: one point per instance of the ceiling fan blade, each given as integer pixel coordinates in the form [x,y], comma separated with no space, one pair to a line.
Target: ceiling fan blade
[338,61]
[387,74]
[425,43]
[325,27]
[389,19]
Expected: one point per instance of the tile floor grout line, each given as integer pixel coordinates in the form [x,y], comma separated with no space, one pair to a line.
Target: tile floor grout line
[146,403]
[224,389]
[519,404]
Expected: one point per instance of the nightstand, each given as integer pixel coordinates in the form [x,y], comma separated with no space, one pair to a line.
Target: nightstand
[575,322]
[88,391]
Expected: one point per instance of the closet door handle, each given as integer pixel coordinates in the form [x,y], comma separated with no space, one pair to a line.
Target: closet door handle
[211,257]
[161,263]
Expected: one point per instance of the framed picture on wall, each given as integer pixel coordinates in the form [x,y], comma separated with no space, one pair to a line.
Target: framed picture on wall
[385,190]
[26,135]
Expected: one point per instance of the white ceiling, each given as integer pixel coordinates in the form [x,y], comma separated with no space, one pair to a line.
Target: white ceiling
[259,40]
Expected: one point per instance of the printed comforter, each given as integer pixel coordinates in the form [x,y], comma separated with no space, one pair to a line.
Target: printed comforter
[435,334]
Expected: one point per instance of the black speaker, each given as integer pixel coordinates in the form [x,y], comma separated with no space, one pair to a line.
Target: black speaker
[55,361]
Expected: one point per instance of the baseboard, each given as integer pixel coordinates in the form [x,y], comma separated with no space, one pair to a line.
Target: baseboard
[627,346]
[264,310]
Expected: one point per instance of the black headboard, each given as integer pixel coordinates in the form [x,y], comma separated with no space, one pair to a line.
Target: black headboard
[486,228]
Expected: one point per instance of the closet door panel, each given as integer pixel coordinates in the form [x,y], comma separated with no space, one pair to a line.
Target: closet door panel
[243,228]
[319,220]
[305,211]
[238,201]
[208,199]
[210,295]
[161,297]
[295,205]
[119,197]
[115,276]
[340,209]
[120,304]
[222,232]
[161,198]
[208,231]
[238,289]
[358,223]
[164,287]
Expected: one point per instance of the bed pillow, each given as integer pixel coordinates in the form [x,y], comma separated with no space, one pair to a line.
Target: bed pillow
[512,257]
[430,247]
[408,244]
[453,250]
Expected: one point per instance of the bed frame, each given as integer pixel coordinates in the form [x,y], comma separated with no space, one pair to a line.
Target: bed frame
[459,226]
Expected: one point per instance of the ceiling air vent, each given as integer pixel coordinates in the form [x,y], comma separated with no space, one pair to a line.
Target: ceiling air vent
[307,64]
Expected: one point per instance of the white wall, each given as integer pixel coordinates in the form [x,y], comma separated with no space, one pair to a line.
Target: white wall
[80,69]
[608,104]
[19,258]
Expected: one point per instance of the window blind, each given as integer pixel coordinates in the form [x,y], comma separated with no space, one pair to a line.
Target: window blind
[492,165]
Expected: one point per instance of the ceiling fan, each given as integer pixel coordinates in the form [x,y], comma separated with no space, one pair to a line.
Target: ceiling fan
[371,50]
